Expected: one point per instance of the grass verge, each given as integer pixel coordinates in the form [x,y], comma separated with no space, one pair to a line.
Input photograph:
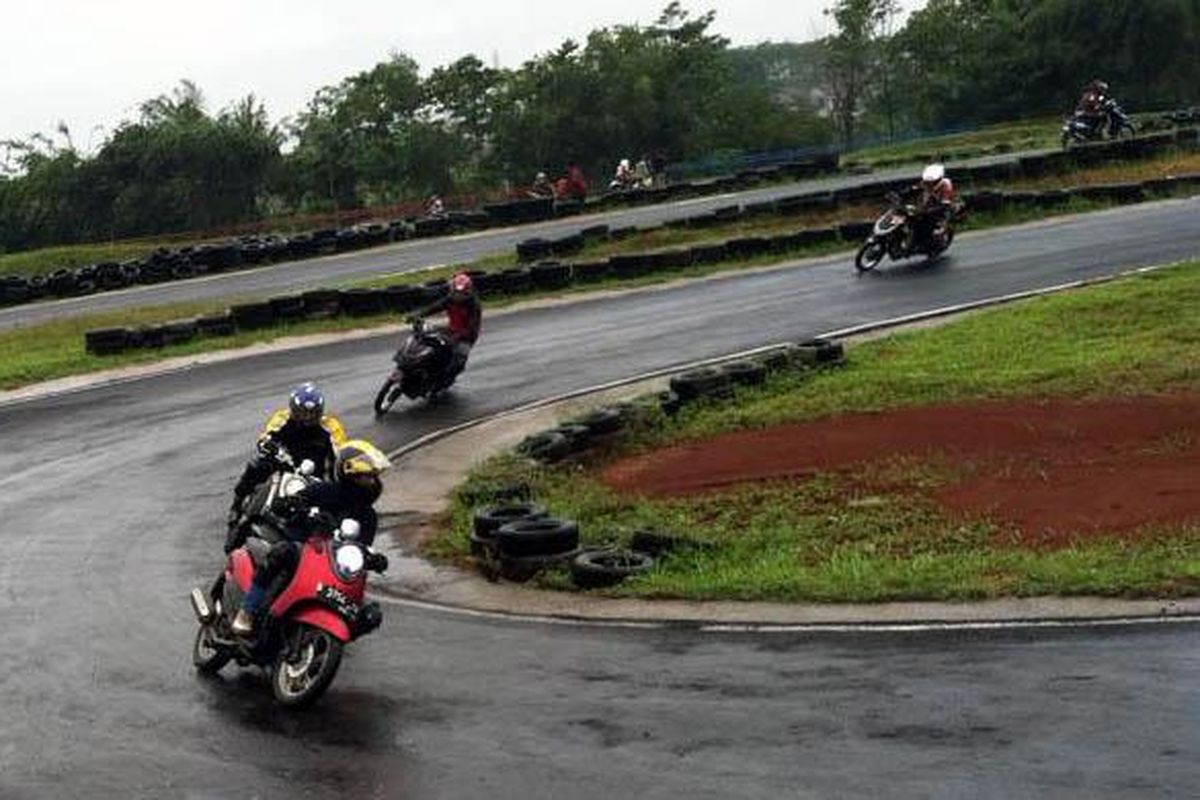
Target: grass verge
[49,259]
[807,542]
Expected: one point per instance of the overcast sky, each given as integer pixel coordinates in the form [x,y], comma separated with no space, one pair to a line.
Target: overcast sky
[90,63]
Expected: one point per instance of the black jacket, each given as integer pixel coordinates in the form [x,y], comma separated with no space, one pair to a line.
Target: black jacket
[337,500]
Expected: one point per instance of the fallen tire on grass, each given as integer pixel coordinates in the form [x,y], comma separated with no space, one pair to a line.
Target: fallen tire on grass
[544,536]
[489,520]
[596,569]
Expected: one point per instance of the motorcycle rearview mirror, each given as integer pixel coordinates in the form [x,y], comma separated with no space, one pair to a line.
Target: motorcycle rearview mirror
[307,467]
[349,529]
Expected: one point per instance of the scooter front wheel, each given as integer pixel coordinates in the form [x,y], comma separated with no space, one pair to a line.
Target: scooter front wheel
[207,656]
[869,256]
[305,669]
[387,396]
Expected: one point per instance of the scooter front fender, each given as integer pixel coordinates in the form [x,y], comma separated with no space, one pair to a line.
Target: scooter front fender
[324,618]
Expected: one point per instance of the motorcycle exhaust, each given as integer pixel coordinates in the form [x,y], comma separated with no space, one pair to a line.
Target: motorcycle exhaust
[200,606]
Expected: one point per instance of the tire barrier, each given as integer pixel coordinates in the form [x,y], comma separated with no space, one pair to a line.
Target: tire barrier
[516,281]
[253,316]
[322,303]
[550,275]
[163,265]
[546,447]
[590,271]
[216,325]
[701,383]
[745,373]
[290,307]
[178,332]
[543,536]
[106,341]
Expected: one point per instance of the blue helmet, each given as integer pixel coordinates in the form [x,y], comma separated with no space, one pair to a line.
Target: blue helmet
[307,404]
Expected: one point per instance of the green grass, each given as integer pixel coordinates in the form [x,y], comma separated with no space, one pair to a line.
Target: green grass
[49,259]
[1008,137]
[804,541]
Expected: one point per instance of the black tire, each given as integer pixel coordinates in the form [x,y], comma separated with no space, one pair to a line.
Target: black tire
[707,382]
[596,569]
[299,682]
[603,421]
[746,373]
[821,352]
[519,570]
[545,536]
[670,402]
[869,256]
[207,658]
[387,396]
[547,446]
[490,520]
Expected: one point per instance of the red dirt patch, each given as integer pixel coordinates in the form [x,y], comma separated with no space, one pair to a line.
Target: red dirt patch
[1056,470]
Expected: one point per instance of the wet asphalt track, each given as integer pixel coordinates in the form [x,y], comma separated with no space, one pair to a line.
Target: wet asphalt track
[111,504]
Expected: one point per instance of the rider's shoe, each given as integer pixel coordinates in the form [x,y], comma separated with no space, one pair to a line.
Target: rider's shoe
[243,623]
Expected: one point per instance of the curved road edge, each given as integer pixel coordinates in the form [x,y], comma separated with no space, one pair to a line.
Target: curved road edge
[426,470]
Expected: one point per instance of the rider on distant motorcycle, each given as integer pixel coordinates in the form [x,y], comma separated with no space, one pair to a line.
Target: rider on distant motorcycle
[1091,103]
[304,430]
[320,508]
[935,201]
[464,315]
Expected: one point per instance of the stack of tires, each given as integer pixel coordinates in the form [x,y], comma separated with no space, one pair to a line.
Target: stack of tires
[517,541]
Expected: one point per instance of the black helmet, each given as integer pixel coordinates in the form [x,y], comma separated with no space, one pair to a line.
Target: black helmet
[306,404]
[360,463]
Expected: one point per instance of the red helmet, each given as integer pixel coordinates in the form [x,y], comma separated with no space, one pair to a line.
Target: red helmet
[461,285]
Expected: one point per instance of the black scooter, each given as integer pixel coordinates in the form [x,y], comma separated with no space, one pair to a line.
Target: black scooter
[1112,123]
[425,367]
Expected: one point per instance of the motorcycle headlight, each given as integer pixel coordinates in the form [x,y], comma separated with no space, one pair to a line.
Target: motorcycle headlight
[348,561]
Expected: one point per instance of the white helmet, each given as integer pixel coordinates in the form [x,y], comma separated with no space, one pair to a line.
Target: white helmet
[625,163]
[933,173]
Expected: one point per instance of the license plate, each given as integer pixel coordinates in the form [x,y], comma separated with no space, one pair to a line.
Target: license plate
[344,605]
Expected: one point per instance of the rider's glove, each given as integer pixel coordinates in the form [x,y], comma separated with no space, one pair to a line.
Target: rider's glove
[377,562]
[268,447]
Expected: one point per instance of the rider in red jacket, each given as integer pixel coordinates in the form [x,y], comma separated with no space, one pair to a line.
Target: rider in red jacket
[464,316]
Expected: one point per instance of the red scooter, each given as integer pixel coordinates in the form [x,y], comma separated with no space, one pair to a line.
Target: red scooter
[300,637]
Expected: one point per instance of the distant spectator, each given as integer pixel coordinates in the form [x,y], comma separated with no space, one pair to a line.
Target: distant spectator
[574,186]
[642,175]
[434,207]
[541,186]
[658,168]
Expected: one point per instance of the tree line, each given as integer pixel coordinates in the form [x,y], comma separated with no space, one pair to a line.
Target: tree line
[674,87]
